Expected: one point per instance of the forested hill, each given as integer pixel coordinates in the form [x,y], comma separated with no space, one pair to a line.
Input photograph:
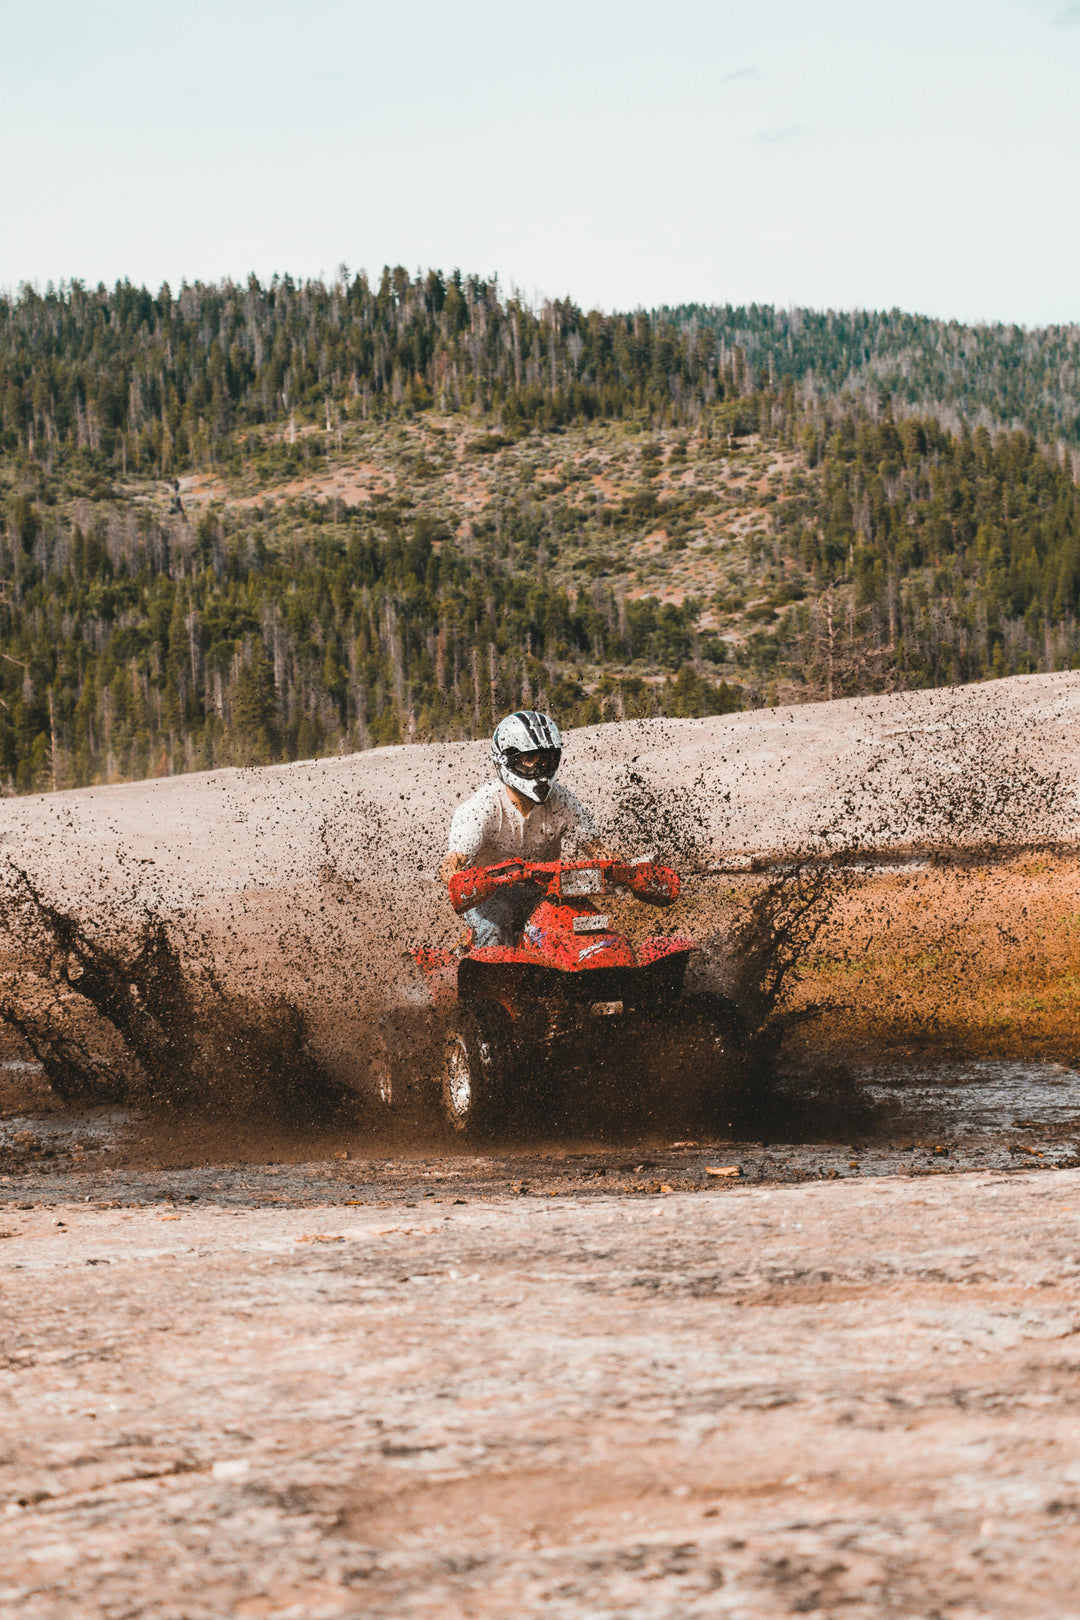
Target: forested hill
[163,382]
[248,523]
[990,374]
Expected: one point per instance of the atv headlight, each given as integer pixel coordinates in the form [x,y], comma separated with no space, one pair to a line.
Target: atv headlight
[587,880]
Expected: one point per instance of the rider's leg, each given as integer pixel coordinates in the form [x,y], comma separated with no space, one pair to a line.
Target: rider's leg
[525,897]
[499,919]
[492,920]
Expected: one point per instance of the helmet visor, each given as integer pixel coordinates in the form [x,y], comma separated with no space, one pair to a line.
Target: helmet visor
[538,765]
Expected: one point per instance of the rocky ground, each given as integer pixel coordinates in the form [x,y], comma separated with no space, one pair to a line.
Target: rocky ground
[712,537]
[852,1398]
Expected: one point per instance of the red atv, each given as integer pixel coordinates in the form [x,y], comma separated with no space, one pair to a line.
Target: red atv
[572,998]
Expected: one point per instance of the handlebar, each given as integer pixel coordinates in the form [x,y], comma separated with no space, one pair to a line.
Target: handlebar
[656,885]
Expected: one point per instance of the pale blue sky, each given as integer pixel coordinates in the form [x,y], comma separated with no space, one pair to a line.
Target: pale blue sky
[921,153]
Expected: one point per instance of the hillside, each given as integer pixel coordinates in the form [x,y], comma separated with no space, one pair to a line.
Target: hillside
[251,524]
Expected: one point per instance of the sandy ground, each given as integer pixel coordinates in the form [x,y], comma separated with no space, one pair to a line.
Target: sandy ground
[854,1399]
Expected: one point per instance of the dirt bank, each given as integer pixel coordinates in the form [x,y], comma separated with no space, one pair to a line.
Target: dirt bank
[960,764]
[850,1398]
[964,956]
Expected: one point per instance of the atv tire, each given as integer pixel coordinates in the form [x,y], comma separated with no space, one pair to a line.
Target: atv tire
[402,1056]
[476,1068]
[732,1085]
[387,1083]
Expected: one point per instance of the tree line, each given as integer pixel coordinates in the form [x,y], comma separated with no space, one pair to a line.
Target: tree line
[928,557]
[137,383]
[992,374]
[140,649]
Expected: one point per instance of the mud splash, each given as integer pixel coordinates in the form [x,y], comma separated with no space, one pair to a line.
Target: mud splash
[145,1019]
[137,1013]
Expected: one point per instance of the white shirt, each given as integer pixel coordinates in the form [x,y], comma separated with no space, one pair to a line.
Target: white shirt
[489,827]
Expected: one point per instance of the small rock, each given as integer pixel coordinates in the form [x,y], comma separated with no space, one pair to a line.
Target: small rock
[231,1468]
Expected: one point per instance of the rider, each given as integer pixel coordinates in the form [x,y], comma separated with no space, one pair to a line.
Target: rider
[522,815]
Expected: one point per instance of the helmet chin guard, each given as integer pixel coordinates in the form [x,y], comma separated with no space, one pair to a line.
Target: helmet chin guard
[526,749]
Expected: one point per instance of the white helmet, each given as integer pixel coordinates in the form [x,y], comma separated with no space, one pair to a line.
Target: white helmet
[516,738]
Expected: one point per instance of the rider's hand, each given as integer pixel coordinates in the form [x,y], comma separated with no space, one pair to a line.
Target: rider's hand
[455,861]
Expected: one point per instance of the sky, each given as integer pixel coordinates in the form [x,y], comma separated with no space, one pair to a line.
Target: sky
[837,154]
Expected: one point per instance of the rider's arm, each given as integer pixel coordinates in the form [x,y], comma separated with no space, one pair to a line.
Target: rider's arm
[453,861]
[469,827]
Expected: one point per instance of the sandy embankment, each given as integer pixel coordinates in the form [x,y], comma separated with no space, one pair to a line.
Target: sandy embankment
[313,878]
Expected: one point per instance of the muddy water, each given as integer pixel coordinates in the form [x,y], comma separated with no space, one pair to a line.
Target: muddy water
[913,1119]
[982,1097]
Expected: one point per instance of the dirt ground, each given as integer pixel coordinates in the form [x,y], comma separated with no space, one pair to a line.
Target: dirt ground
[977,955]
[857,1398]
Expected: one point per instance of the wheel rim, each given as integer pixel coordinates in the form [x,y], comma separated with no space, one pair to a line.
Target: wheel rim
[458,1078]
[384,1077]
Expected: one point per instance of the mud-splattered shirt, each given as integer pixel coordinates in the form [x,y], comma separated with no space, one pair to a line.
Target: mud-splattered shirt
[488,827]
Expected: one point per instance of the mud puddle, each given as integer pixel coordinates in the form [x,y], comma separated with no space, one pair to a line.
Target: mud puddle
[935,1118]
[982,1097]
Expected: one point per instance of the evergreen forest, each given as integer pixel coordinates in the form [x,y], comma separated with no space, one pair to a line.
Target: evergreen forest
[241,524]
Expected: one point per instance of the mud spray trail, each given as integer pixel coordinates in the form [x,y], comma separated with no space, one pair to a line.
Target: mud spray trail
[794,1344]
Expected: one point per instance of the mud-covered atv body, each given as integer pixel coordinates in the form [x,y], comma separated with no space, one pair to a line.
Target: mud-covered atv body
[572,1001]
